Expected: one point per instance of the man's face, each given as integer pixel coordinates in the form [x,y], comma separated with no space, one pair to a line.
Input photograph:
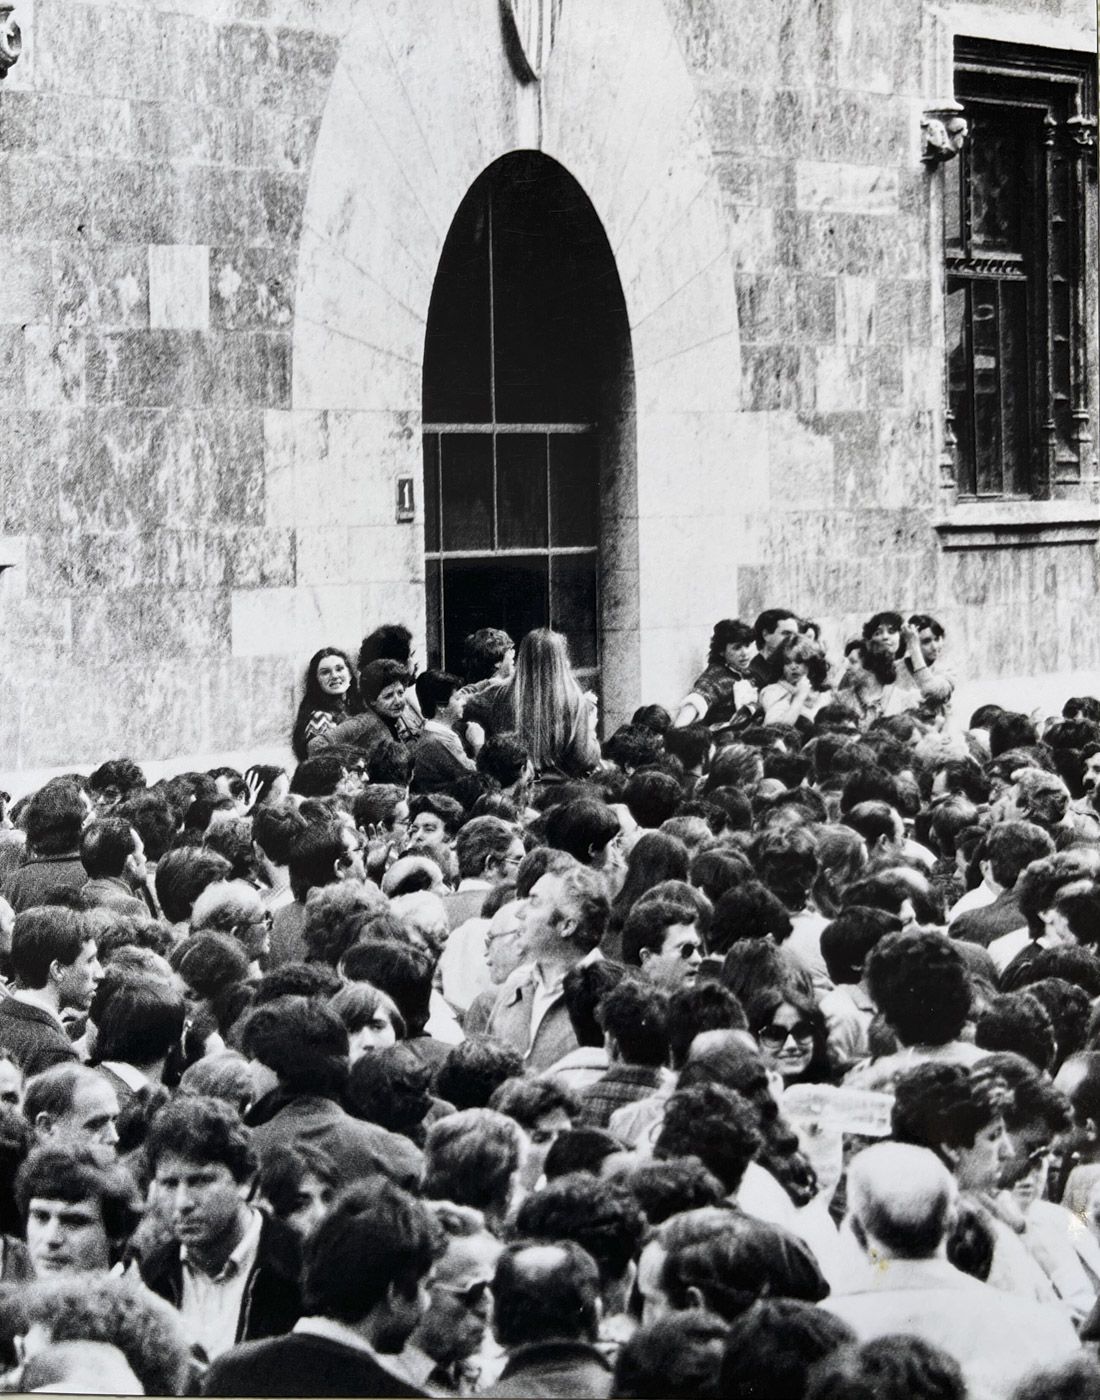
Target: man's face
[351,865]
[981,1166]
[200,1200]
[106,799]
[542,916]
[311,1204]
[428,830]
[77,980]
[505,868]
[503,943]
[67,1237]
[788,627]
[453,1327]
[391,700]
[930,646]
[541,1136]
[11,1086]
[1092,773]
[677,963]
[90,1120]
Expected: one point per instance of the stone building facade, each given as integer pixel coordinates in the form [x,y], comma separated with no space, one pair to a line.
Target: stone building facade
[223,224]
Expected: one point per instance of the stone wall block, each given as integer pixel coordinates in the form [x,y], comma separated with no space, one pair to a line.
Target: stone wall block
[778,377]
[190,560]
[766,308]
[807,42]
[28,484]
[164,132]
[179,287]
[379,551]
[815,309]
[54,367]
[13,389]
[260,558]
[146,369]
[129,623]
[240,370]
[288,621]
[106,288]
[40,201]
[283,141]
[865,52]
[833,187]
[251,288]
[131,202]
[276,683]
[855,310]
[25,290]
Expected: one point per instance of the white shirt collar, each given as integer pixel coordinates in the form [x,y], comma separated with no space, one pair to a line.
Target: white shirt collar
[242,1258]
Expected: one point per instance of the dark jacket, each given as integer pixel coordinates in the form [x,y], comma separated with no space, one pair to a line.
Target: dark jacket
[42,875]
[358,1149]
[302,1365]
[565,1369]
[272,1297]
[111,892]
[365,732]
[34,1038]
[991,921]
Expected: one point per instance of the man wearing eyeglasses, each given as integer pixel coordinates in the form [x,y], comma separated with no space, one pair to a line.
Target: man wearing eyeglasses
[442,1355]
[662,938]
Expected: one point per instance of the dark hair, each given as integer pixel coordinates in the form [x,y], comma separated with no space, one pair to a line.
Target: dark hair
[1010,847]
[654,857]
[1019,1022]
[376,676]
[786,861]
[43,935]
[404,973]
[392,641]
[897,1367]
[538,1301]
[714,1124]
[581,827]
[210,963]
[483,651]
[730,631]
[138,1020]
[300,1040]
[690,744]
[525,1100]
[647,925]
[474,1070]
[319,775]
[718,869]
[390,1087]
[677,1357]
[282,1169]
[314,698]
[633,746]
[664,1189]
[702,1006]
[438,804]
[106,846]
[603,1217]
[434,690]
[313,856]
[584,986]
[1039,884]
[481,840]
[202,1129]
[935,1106]
[151,816]
[579,1150]
[920,983]
[1010,730]
[54,818]
[652,797]
[769,620]
[375,1235]
[503,759]
[750,910]
[72,1172]
[771,1348]
[1068,1007]
[635,1013]
[761,1008]
[181,877]
[121,773]
[472,1158]
[847,942]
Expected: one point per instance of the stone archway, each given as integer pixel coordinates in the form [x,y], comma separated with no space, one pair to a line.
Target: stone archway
[420,104]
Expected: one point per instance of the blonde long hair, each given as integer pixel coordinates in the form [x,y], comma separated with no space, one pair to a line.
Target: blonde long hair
[550,707]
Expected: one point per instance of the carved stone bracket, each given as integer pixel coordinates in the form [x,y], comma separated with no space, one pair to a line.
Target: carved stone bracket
[943,133]
[11,40]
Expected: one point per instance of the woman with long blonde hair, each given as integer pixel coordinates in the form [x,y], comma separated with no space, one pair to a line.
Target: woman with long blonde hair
[544,703]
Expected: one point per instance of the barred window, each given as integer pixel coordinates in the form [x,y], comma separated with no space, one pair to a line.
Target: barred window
[1015,239]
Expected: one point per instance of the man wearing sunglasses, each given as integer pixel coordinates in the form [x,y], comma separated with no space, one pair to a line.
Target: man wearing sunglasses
[662,938]
[442,1355]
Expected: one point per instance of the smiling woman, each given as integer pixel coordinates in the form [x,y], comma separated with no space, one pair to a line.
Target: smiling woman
[331,696]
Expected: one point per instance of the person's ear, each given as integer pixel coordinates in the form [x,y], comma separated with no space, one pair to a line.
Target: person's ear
[54,974]
[44,1124]
[695,1298]
[644,955]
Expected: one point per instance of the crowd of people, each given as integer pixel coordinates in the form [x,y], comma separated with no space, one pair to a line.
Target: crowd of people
[753,1051]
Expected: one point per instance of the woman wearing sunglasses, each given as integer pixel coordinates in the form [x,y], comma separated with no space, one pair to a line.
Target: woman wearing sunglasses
[790,1031]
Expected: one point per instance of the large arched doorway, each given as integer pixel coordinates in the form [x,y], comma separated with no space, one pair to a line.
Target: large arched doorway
[528,433]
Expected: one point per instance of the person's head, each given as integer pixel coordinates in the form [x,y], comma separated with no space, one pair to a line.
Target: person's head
[301,1043]
[503,943]
[505,763]
[1017,1022]
[920,983]
[583,1149]
[52,949]
[565,915]
[202,1162]
[665,1189]
[112,848]
[113,782]
[790,1031]
[369,1016]
[588,829]
[1010,729]
[726,1261]
[634,1017]
[652,797]
[603,1217]
[139,1022]
[697,1008]
[182,875]
[786,861]
[938,1106]
[900,1201]
[901,1367]
[731,644]
[488,653]
[488,849]
[473,1158]
[330,678]
[299,1182]
[392,641]
[753,964]
[79,1210]
[54,818]
[882,633]
[366,1261]
[880,826]
[120,1318]
[474,1070]
[392,1088]
[1038,890]
[771,626]
[403,972]
[382,688]
[224,1075]
[750,910]
[236,908]
[771,1348]
[435,694]
[798,658]
[662,938]
[434,820]
[714,1124]
[691,744]
[459,1285]
[545,1293]
[321,854]
[336,916]
[847,942]
[930,634]
[544,1108]
[677,1357]
[72,1106]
